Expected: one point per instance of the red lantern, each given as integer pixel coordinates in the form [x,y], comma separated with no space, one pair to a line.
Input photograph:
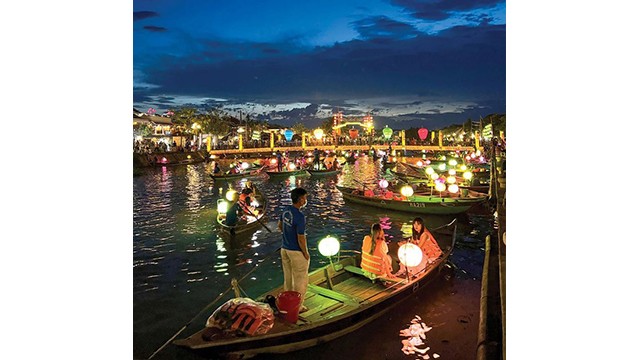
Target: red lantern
[422,133]
[353,133]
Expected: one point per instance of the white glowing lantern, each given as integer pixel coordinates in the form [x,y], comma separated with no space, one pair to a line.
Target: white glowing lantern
[469,157]
[410,255]
[467,175]
[292,166]
[451,179]
[394,159]
[478,153]
[273,161]
[255,203]
[442,167]
[223,206]
[440,186]
[434,176]
[453,188]
[452,162]
[318,133]
[481,158]
[428,161]
[188,156]
[406,190]
[452,171]
[463,167]
[419,163]
[245,165]
[430,170]
[329,246]
[383,183]
[473,156]
[230,194]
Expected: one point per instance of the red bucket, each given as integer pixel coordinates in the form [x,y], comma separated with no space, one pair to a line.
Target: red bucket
[289,302]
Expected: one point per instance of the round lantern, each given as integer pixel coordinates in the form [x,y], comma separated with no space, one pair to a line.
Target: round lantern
[452,171]
[467,175]
[383,183]
[429,170]
[288,134]
[353,133]
[453,162]
[329,246]
[422,133]
[453,188]
[440,186]
[434,176]
[419,163]
[223,206]
[451,179]
[230,194]
[442,167]
[318,133]
[245,165]
[387,132]
[273,161]
[292,166]
[406,190]
[410,254]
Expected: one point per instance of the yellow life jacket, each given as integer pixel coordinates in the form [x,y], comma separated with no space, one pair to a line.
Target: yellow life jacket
[372,262]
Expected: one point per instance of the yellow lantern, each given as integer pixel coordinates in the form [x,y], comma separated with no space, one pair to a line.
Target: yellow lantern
[452,162]
[463,167]
[467,175]
[230,194]
[440,186]
[292,166]
[442,167]
[329,246]
[318,133]
[430,170]
[406,190]
[452,171]
[453,188]
[434,176]
[410,255]
[451,179]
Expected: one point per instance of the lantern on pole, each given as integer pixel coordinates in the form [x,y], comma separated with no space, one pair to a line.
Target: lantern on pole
[288,134]
[387,132]
[422,133]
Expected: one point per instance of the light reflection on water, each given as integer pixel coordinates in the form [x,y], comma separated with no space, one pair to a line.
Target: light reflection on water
[181,262]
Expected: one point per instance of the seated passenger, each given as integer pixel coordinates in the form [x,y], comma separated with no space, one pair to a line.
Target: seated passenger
[375,261]
[232,214]
[422,237]
[245,200]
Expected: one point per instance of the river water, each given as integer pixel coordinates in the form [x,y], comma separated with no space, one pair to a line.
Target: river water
[181,262]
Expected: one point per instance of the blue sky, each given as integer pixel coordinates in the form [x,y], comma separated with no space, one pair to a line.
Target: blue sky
[444,58]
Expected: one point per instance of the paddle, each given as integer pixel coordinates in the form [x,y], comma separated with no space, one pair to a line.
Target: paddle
[248,212]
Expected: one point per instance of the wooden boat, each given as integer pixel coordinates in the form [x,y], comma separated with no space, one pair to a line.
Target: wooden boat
[436,204]
[251,223]
[339,300]
[323,172]
[287,173]
[244,174]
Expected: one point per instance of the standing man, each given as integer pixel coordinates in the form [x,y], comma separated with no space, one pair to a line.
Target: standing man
[316,158]
[294,252]
[279,159]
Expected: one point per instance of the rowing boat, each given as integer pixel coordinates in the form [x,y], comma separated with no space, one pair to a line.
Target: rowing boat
[322,172]
[436,204]
[339,298]
[244,174]
[251,222]
[287,173]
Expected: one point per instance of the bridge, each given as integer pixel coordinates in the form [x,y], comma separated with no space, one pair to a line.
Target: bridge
[340,148]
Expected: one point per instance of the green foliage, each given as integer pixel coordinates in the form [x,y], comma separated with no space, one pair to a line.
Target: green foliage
[299,128]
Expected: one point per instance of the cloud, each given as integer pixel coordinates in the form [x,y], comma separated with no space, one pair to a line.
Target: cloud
[383,27]
[442,9]
[155,28]
[139,15]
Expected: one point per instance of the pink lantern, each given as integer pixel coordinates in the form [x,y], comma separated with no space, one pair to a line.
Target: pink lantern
[151,111]
[353,133]
[383,183]
[422,133]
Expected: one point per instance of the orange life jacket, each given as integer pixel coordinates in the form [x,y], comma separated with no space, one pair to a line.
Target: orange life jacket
[372,263]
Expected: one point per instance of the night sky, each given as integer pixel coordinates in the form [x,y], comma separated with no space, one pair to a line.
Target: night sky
[409,63]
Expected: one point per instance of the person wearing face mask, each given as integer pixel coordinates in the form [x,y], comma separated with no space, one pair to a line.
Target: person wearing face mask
[294,252]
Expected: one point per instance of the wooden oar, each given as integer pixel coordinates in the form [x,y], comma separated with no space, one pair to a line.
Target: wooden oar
[246,211]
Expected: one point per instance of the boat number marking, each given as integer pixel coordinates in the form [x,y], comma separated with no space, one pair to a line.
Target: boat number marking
[416,285]
[413,204]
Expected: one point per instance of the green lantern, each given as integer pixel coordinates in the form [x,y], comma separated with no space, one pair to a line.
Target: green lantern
[387,132]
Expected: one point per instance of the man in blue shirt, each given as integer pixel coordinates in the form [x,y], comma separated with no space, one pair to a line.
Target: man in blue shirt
[294,252]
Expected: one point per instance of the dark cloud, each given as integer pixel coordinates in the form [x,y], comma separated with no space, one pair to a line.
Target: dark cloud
[383,27]
[464,63]
[480,19]
[442,9]
[155,28]
[139,15]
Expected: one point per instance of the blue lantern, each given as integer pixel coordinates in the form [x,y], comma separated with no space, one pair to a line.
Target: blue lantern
[288,134]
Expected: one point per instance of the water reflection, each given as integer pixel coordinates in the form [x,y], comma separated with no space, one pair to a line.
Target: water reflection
[181,261]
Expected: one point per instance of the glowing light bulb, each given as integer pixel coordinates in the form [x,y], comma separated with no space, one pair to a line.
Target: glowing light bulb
[329,246]
[230,194]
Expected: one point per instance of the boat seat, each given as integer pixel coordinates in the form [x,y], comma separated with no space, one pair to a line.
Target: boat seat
[359,271]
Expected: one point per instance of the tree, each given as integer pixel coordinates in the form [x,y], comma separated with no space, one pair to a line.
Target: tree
[299,128]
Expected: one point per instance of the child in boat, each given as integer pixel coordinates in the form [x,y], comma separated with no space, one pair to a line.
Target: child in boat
[375,261]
